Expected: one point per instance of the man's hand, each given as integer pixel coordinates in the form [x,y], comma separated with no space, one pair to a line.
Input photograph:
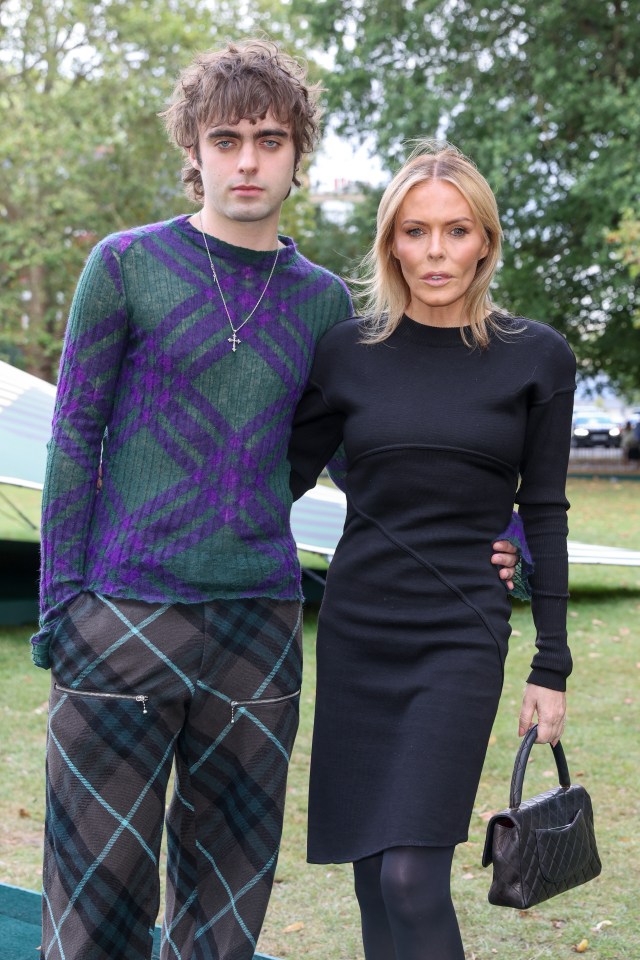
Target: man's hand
[505,557]
[551,708]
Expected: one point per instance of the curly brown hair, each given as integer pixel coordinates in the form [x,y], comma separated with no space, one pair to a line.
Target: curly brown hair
[243,81]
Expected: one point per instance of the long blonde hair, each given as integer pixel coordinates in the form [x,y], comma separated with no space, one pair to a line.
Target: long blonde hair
[386,291]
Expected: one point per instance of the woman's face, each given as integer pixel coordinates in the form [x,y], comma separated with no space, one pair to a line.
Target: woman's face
[439,243]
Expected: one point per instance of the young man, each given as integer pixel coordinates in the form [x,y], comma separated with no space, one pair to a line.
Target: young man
[171,613]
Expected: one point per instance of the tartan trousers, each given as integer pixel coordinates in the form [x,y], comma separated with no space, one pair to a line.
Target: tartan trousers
[136,686]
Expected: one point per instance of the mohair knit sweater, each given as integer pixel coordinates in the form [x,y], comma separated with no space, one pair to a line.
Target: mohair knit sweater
[192,437]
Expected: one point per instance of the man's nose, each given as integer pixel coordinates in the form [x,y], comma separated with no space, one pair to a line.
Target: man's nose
[248,158]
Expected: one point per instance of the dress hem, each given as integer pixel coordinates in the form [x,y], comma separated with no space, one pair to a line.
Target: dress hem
[389,846]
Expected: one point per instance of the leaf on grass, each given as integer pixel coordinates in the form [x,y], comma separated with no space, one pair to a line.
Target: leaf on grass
[598,623]
[294,927]
[24,814]
[467,876]
[624,631]
[516,633]
[582,946]
[493,740]
[601,926]
[558,924]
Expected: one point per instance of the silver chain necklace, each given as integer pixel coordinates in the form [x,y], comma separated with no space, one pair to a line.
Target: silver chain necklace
[234,340]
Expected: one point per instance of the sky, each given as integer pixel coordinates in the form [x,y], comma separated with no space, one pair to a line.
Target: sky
[338,159]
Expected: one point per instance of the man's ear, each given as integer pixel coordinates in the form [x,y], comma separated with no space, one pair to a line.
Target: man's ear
[194,157]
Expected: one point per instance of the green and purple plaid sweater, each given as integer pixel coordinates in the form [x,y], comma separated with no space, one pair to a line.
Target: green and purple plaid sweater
[195,498]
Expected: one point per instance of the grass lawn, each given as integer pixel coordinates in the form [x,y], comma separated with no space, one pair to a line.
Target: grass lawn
[19,513]
[312,912]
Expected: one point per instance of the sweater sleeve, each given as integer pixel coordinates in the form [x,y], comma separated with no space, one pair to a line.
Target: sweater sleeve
[89,368]
[543,508]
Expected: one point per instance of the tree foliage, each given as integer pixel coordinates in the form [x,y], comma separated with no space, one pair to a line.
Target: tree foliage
[83,152]
[545,98]
[340,245]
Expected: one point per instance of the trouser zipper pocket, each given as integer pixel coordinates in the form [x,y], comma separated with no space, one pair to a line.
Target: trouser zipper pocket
[138,698]
[260,703]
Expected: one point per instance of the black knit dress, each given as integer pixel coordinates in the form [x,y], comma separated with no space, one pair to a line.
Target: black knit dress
[440,439]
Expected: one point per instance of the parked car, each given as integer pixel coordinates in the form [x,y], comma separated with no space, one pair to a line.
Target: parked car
[595,430]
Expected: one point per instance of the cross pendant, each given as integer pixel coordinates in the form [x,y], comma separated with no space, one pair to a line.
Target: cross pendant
[234,340]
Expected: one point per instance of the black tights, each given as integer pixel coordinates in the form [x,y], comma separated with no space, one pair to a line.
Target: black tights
[404,895]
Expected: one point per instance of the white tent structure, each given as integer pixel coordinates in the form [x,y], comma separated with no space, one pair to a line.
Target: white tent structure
[26,409]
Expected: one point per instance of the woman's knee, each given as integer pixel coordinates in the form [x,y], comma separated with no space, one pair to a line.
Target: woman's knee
[415,883]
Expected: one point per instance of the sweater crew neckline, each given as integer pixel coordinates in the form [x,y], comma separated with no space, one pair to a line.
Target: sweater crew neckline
[432,335]
[229,251]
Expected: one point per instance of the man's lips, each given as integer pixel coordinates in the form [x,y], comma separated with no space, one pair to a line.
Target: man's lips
[247,189]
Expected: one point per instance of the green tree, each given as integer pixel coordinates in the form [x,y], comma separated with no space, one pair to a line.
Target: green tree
[546,99]
[340,245]
[83,152]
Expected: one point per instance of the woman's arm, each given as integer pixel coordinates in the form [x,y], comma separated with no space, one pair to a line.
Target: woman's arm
[543,508]
[316,434]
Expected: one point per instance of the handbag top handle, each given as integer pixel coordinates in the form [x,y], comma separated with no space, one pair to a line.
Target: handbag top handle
[519,767]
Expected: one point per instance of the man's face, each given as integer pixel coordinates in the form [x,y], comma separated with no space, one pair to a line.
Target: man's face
[246,168]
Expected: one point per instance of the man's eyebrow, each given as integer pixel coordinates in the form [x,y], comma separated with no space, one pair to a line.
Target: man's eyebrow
[257,134]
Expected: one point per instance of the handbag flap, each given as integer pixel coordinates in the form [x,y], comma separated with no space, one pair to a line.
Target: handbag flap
[502,818]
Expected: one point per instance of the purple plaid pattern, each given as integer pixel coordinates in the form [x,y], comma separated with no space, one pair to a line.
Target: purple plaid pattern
[134,685]
[195,497]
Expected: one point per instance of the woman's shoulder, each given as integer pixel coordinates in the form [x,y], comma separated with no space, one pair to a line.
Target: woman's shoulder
[342,334]
[531,333]
[541,350]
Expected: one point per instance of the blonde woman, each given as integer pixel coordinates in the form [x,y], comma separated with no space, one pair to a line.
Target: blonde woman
[450,410]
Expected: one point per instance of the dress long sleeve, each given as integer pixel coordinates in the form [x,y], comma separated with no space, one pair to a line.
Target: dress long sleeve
[315,437]
[543,508]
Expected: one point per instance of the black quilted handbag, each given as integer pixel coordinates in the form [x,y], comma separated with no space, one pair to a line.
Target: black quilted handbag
[543,846]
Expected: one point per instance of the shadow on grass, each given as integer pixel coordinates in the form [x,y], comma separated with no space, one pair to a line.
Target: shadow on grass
[598,592]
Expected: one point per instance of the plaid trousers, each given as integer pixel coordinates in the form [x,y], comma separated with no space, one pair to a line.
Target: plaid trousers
[214,686]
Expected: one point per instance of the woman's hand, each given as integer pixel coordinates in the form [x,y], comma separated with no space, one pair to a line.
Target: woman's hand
[550,707]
